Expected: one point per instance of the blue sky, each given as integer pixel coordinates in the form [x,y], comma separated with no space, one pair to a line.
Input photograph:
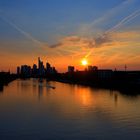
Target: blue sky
[45,19]
[24,24]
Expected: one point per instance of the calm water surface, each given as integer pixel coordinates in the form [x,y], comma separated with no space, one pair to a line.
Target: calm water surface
[29,110]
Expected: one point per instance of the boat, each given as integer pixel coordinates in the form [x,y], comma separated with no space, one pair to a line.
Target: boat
[49,86]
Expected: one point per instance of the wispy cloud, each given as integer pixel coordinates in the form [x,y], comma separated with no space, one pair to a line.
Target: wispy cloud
[105,37]
[26,34]
[90,28]
[40,45]
[124,21]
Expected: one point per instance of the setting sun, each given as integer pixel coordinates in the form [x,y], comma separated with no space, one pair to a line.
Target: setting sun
[84,62]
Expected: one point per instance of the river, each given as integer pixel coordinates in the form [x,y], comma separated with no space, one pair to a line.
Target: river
[30,110]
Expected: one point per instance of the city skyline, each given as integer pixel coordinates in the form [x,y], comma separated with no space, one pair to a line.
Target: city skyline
[64,33]
[36,70]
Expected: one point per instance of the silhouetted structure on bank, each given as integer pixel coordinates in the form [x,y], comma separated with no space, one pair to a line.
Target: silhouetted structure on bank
[70,69]
[5,78]
[26,71]
[103,78]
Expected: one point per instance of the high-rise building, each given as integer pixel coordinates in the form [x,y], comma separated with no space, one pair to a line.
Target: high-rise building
[34,70]
[18,70]
[92,68]
[70,69]
[26,70]
[39,62]
[95,68]
[48,67]
[41,70]
[54,70]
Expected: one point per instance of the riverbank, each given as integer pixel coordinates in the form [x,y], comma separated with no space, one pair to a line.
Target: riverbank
[125,82]
[6,78]
[129,88]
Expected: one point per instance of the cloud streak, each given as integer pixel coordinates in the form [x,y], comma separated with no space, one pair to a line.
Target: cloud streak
[40,45]
[27,35]
[91,42]
[124,21]
[104,38]
[105,18]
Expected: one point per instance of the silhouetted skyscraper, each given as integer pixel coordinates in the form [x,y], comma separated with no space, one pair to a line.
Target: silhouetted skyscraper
[34,70]
[70,68]
[26,70]
[48,67]
[92,68]
[41,70]
[18,70]
[39,62]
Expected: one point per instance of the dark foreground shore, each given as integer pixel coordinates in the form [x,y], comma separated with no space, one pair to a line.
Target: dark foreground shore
[6,78]
[125,82]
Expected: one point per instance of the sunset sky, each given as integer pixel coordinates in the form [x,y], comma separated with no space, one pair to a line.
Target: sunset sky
[63,32]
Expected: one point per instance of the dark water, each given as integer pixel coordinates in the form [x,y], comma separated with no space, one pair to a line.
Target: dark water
[31,111]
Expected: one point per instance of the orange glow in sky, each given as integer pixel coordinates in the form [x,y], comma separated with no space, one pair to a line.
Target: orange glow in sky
[84,62]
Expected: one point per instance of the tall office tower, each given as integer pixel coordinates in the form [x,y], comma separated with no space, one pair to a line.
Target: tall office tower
[26,70]
[18,70]
[34,70]
[48,67]
[41,70]
[70,69]
[39,63]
